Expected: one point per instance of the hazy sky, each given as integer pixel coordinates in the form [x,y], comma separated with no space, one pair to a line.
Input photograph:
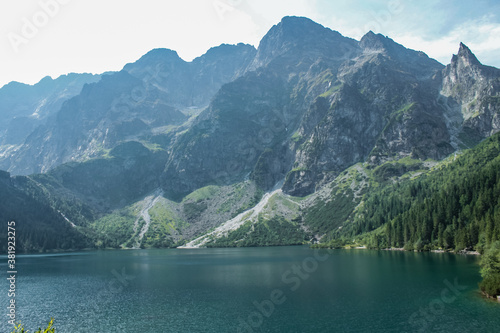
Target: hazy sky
[54,37]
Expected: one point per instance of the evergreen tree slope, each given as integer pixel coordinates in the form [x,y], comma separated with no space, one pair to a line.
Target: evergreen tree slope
[43,222]
[457,206]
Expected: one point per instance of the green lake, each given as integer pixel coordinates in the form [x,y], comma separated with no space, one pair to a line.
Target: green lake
[275,289]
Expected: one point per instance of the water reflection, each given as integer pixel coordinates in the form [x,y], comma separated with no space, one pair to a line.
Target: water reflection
[211,290]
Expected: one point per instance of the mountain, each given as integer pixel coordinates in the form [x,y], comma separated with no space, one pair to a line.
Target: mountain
[281,145]
[319,103]
[192,84]
[24,107]
[145,101]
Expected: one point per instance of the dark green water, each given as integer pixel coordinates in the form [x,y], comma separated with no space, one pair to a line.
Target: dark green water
[280,289]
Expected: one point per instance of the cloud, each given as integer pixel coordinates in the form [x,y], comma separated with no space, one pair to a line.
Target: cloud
[97,36]
[481,35]
[264,14]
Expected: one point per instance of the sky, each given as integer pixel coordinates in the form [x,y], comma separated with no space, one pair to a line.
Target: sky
[55,37]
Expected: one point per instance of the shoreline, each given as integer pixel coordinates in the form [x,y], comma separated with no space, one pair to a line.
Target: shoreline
[363,247]
[313,246]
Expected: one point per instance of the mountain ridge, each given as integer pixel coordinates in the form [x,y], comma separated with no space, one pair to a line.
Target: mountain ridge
[214,136]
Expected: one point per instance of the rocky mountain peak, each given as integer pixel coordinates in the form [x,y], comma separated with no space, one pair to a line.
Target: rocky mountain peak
[416,63]
[293,24]
[471,89]
[377,42]
[161,53]
[225,50]
[374,41]
[466,70]
[152,59]
[465,56]
[298,35]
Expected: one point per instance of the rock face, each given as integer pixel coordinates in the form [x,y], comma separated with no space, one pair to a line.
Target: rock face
[253,118]
[88,125]
[472,91]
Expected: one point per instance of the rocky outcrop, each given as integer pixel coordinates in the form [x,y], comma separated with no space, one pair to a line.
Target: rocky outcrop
[472,91]
[260,111]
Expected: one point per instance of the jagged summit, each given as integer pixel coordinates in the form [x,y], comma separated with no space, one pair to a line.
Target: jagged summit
[471,85]
[297,29]
[295,35]
[378,42]
[226,50]
[465,55]
[374,41]
[416,63]
[160,55]
[289,23]
[466,64]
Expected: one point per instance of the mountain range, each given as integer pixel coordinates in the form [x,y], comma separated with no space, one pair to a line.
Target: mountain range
[283,144]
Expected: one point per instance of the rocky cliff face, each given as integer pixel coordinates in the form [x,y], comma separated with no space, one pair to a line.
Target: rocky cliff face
[471,91]
[252,119]
[88,125]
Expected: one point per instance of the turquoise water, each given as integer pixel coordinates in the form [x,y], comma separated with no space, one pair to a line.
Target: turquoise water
[278,289]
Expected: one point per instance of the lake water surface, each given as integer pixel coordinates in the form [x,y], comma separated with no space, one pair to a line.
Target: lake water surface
[276,289]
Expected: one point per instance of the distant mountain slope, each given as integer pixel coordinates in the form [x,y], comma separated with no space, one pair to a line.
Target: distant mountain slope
[149,97]
[24,107]
[41,99]
[43,221]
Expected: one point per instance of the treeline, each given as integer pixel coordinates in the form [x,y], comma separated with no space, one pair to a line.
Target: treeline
[456,207]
